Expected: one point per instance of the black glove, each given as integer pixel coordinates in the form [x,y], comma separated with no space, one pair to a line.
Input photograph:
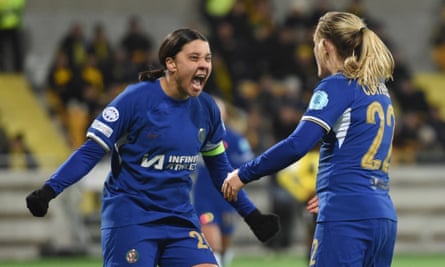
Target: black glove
[264,226]
[37,202]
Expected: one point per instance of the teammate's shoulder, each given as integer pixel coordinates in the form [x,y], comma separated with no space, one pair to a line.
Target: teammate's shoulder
[336,81]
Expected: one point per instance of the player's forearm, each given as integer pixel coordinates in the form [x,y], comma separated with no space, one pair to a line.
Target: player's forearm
[282,154]
[219,167]
[76,166]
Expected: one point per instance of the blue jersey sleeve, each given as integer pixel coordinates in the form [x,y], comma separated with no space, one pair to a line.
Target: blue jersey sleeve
[217,130]
[116,118]
[76,166]
[284,153]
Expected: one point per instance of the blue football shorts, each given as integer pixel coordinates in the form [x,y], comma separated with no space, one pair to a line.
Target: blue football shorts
[151,245]
[362,243]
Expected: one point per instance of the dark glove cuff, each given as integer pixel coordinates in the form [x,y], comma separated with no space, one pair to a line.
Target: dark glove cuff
[253,216]
[47,193]
[264,226]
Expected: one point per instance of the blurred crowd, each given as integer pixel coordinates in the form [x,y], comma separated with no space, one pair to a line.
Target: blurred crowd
[262,65]
[86,73]
[266,68]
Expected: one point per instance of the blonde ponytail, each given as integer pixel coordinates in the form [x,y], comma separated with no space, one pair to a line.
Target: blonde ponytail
[375,64]
[366,57]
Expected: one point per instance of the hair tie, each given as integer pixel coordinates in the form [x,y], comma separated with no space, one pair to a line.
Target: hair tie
[362,29]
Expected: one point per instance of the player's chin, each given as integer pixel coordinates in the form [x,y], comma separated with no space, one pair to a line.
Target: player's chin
[196,90]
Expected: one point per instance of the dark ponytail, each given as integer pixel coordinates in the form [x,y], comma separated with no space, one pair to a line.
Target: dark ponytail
[151,74]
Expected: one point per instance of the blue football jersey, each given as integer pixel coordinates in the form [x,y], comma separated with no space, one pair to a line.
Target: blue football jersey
[353,181]
[155,143]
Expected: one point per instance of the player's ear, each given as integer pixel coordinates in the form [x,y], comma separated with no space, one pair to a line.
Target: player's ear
[323,46]
[327,46]
[170,64]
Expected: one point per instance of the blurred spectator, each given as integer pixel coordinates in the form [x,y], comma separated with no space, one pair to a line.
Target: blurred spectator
[138,44]
[286,207]
[94,100]
[63,85]
[81,110]
[287,114]
[74,45]
[406,136]
[11,39]
[319,7]
[261,19]
[264,29]
[234,53]
[238,17]
[122,70]
[410,97]
[258,129]
[435,120]
[92,74]
[220,83]
[21,156]
[267,91]
[358,8]
[401,72]
[418,138]
[77,123]
[4,146]
[306,64]
[297,21]
[101,47]
[281,62]
[297,15]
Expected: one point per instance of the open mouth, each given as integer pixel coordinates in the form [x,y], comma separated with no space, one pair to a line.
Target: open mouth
[198,80]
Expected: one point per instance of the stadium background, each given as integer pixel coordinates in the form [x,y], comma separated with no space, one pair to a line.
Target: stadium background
[418,189]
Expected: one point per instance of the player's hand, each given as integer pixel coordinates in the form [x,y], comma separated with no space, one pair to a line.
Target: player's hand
[312,205]
[264,226]
[231,186]
[38,201]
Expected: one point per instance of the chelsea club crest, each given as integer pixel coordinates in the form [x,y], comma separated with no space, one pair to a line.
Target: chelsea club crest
[132,256]
[202,135]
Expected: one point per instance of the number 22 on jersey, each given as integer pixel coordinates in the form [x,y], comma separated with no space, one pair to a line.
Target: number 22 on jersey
[385,121]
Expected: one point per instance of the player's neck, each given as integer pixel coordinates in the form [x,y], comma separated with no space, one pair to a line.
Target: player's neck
[171,88]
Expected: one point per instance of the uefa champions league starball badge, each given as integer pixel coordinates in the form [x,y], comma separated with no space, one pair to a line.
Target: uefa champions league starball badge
[132,256]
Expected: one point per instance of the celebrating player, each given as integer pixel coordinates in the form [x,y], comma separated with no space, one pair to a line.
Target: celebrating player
[351,113]
[155,130]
